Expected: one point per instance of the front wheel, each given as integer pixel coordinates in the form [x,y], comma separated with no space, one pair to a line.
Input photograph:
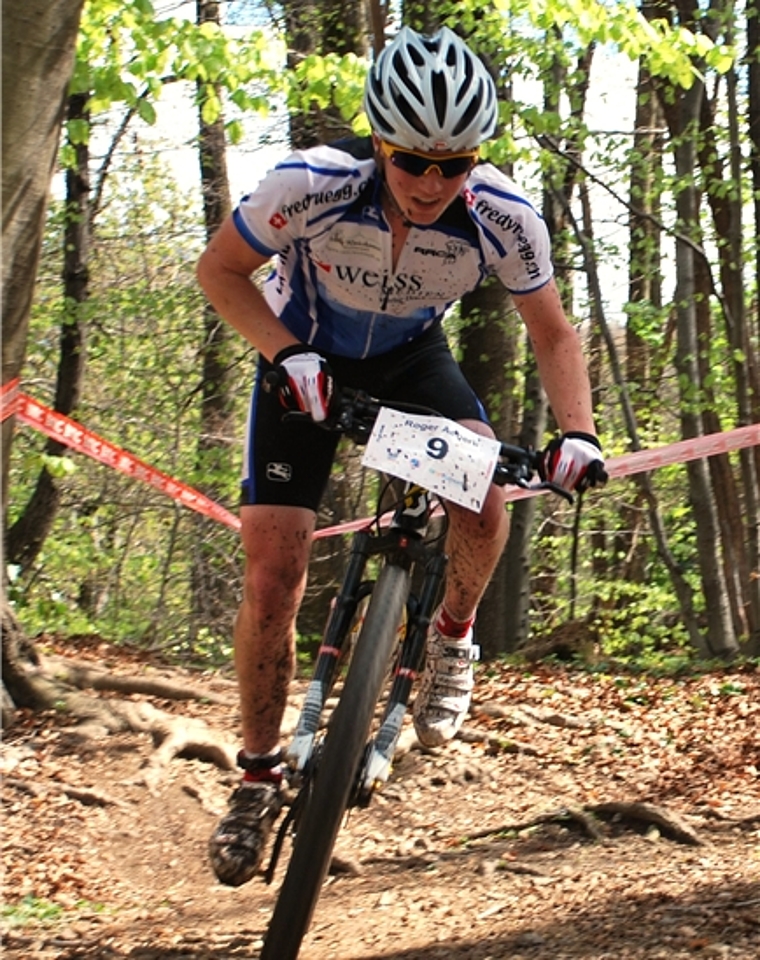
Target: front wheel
[335,777]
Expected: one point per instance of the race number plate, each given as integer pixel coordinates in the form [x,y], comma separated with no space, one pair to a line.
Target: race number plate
[438,454]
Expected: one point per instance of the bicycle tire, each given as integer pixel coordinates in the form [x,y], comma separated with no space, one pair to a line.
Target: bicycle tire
[342,752]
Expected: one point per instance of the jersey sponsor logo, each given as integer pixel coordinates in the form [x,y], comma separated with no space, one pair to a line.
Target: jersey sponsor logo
[277,221]
[408,282]
[279,472]
[363,245]
[527,256]
[342,193]
[510,225]
[497,217]
[453,250]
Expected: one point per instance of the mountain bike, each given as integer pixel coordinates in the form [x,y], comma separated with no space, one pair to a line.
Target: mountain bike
[374,640]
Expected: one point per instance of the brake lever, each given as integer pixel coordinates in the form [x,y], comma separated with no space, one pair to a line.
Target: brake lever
[553,488]
[341,422]
[505,476]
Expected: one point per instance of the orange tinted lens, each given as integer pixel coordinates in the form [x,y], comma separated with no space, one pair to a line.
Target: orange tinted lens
[417,164]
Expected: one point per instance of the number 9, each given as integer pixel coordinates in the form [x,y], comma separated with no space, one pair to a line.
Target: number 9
[437,448]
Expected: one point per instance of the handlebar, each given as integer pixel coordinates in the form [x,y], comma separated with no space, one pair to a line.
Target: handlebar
[353,414]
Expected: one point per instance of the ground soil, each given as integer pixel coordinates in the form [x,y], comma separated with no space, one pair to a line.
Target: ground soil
[582,814]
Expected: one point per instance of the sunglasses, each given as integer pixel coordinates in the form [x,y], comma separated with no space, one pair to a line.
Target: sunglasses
[418,164]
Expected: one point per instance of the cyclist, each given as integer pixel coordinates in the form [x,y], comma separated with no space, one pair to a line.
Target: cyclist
[373,239]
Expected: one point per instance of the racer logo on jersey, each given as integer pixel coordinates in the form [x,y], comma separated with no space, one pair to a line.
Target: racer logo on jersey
[277,221]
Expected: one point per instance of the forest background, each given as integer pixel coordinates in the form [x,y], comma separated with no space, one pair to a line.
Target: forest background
[663,566]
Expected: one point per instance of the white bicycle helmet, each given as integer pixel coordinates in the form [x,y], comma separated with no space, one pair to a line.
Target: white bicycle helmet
[430,93]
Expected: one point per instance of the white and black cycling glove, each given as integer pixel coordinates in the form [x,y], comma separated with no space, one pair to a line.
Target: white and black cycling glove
[574,461]
[306,381]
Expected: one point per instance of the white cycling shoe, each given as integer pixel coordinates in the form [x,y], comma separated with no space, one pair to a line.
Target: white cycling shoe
[445,689]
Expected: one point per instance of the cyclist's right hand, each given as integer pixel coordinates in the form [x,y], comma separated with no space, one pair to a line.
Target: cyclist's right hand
[573,461]
[306,381]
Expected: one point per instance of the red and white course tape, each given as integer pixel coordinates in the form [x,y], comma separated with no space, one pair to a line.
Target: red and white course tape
[79,438]
[72,434]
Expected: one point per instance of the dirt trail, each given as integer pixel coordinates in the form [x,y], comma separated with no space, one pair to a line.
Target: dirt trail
[501,845]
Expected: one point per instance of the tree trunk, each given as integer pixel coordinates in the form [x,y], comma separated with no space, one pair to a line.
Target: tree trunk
[28,533]
[512,601]
[682,110]
[38,40]
[720,637]
[753,127]
[598,327]
[488,341]
[741,527]
[38,51]
[559,184]
[643,482]
[212,589]
[645,302]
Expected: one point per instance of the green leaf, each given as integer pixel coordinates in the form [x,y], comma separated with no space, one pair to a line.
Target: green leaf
[58,467]
[721,58]
[77,132]
[146,110]
[211,109]
[235,131]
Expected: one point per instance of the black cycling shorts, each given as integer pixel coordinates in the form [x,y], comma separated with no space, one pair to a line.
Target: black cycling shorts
[288,463]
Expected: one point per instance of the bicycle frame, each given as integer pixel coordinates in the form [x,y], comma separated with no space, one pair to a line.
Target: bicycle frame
[402,544]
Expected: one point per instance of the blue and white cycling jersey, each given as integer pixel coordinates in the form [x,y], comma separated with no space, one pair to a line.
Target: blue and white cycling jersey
[319,211]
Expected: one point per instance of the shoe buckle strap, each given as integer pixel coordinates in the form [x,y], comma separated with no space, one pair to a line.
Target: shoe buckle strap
[471,652]
[257,764]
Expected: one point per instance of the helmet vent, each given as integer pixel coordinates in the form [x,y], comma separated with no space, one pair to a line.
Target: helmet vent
[440,97]
[469,116]
[466,85]
[410,114]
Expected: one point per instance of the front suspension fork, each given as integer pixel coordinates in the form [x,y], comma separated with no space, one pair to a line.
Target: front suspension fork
[379,755]
[336,631]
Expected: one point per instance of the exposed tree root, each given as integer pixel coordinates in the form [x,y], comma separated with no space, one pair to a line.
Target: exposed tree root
[84,677]
[173,736]
[86,796]
[669,822]
[586,817]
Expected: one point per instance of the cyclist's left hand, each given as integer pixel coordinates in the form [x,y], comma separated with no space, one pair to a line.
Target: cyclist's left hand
[574,461]
[307,381]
